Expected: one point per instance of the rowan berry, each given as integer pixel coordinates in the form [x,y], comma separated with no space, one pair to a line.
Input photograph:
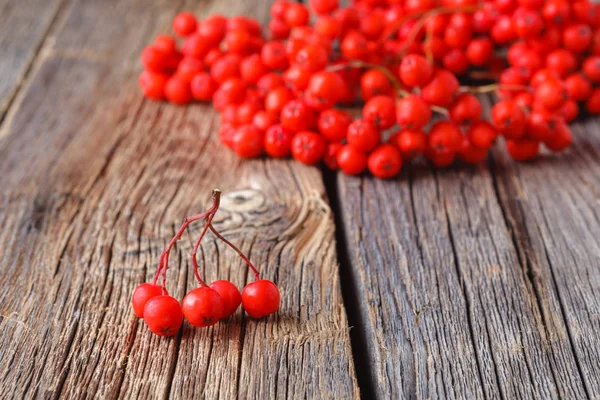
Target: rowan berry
[410,143]
[230,297]
[440,91]
[412,112]
[351,160]
[260,298]
[415,70]
[202,307]
[184,24]
[248,141]
[373,83]
[333,124]
[308,147]
[278,141]
[163,315]
[153,84]
[296,14]
[297,116]
[274,56]
[380,111]
[363,135]
[523,149]
[470,153]
[509,119]
[177,90]
[560,139]
[552,95]
[384,161]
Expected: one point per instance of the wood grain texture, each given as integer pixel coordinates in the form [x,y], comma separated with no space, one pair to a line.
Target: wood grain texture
[552,206]
[91,193]
[442,292]
[24,25]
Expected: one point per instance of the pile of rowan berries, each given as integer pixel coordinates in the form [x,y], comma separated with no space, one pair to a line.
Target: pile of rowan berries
[207,304]
[287,91]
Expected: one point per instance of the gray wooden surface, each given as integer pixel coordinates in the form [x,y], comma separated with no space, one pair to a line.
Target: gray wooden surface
[467,282]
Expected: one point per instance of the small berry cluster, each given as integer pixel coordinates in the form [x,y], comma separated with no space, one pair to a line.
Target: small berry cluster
[282,94]
[207,304]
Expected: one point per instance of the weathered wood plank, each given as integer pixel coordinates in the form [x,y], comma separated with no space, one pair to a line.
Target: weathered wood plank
[443,294]
[552,208]
[24,26]
[90,195]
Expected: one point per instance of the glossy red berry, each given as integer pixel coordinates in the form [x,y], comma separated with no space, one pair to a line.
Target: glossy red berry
[248,141]
[415,70]
[373,83]
[482,134]
[308,147]
[202,307]
[410,143]
[230,296]
[412,112]
[470,153]
[260,298]
[142,294]
[552,95]
[441,89]
[203,87]
[184,24]
[466,109]
[523,149]
[296,14]
[153,84]
[509,119]
[297,116]
[163,315]
[445,136]
[385,161]
[380,111]
[560,139]
[351,160]
[333,124]
[363,135]
[323,6]
[178,91]
[278,141]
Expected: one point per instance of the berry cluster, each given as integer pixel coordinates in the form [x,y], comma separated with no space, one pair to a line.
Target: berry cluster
[207,304]
[283,93]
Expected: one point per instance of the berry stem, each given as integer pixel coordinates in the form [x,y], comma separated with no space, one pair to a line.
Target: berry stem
[164,257]
[423,15]
[209,217]
[493,88]
[238,251]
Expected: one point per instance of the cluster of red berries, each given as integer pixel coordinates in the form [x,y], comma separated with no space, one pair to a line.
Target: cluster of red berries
[207,304]
[283,93]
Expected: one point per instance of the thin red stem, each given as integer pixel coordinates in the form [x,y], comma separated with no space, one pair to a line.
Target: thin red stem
[238,251]
[209,218]
[164,257]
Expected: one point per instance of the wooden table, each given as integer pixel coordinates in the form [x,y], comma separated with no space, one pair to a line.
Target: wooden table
[468,282]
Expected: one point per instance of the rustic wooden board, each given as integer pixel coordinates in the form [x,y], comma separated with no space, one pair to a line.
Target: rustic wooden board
[445,306]
[95,181]
[24,26]
[552,207]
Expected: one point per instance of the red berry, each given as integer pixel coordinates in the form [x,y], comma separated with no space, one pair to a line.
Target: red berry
[380,111]
[455,61]
[523,149]
[184,24]
[363,135]
[323,6]
[278,8]
[561,61]
[445,136]
[260,298]
[153,84]
[509,119]
[560,139]
[470,153]
[578,87]
[355,46]
[142,294]
[297,116]
[577,38]
[296,14]
[230,296]
[263,120]
[466,109]
[277,98]
[415,70]
[480,51]
[155,59]
[269,82]
[482,134]
[330,158]
[385,161]
[308,147]
[333,124]
[226,67]
[163,315]
[248,141]
[410,143]
[527,23]
[274,56]
[278,141]
[441,89]
[252,69]
[591,68]
[373,83]
[312,58]
[552,95]
[202,307]
[412,112]
[178,91]
[203,87]
[351,160]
